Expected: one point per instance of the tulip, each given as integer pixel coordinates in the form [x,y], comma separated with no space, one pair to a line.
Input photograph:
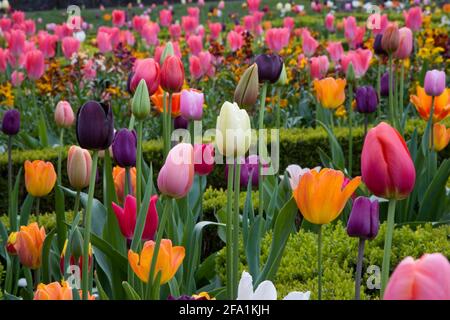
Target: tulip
[366,99]
[235,41]
[364,219]
[165,17]
[140,105]
[148,70]
[203,159]
[118,18]
[167,263]
[434,83]
[11,243]
[330,92]
[195,67]
[391,39]
[215,29]
[329,22]
[29,243]
[378,23]
[277,38]
[422,102]
[79,164]
[157,100]
[16,42]
[441,137]
[70,46]
[124,148]
[47,44]
[40,177]
[17,78]
[126,218]
[269,67]
[172,74]
[377,47]
[34,64]
[319,67]
[191,104]
[54,291]
[189,24]
[405,45]
[64,116]
[104,42]
[175,31]
[4,55]
[335,51]
[233,131]
[295,173]
[384,84]
[119,176]
[95,126]
[177,174]
[360,60]
[247,90]
[11,122]
[309,45]
[76,253]
[149,33]
[195,44]
[413,18]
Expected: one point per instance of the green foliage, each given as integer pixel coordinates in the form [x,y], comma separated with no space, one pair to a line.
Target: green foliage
[298,269]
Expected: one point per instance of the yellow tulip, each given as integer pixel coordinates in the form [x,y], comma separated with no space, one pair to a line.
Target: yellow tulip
[320,196]
[330,92]
[422,102]
[40,177]
[28,245]
[168,261]
[441,136]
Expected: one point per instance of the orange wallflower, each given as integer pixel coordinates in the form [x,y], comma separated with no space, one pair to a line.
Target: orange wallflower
[40,177]
[330,92]
[119,181]
[441,136]
[168,261]
[56,291]
[157,99]
[28,245]
[320,196]
[422,102]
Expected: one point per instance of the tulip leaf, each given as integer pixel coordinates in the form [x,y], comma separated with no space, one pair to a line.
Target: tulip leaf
[253,246]
[3,240]
[60,217]
[14,202]
[248,214]
[46,266]
[101,292]
[206,269]
[130,292]
[42,130]
[117,259]
[336,150]
[25,210]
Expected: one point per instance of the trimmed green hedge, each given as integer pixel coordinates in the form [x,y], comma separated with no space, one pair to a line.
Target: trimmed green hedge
[297,146]
[298,268]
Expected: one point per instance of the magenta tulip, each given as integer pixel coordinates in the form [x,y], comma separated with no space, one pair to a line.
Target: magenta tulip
[165,17]
[413,18]
[203,159]
[329,22]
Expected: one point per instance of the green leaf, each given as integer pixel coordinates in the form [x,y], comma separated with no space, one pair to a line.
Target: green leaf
[60,217]
[336,149]
[25,210]
[130,292]
[101,293]
[14,202]
[42,129]
[253,246]
[46,267]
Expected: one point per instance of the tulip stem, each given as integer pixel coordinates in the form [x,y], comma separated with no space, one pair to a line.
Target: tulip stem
[359,263]
[379,85]
[366,123]
[388,245]
[164,125]
[77,203]
[139,166]
[350,128]
[88,226]
[38,201]
[29,278]
[391,88]
[229,229]
[319,260]
[261,127]
[61,144]
[169,124]
[237,181]
[12,211]
[401,93]
[431,124]
[278,109]
[128,186]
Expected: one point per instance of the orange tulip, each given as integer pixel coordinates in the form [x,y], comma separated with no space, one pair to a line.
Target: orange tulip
[330,92]
[40,177]
[119,181]
[441,136]
[28,245]
[157,100]
[168,261]
[422,102]
[320,196]
[55,291]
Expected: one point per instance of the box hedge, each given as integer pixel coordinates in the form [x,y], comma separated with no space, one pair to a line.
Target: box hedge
[298,268]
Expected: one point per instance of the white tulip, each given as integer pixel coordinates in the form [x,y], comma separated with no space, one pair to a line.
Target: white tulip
[233,131]
[287,7]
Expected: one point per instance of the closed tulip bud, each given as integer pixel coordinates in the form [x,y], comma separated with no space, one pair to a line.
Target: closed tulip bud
[29,243]
[406,43]
[64,116]
[283,79]
[391,39]
[269,67]
[441,137]
[203,159]
[10,245]
[247,90]
[40,177]
[386,165]
[191,104]
[377,47]
[79,164]
[177,174]
[95,126]
[75,248]
[330,92]
[384,85]
[11,122]
[147,70]
[233,131]
[168,51]
[364,219]
[124,148]
[434,82]
[350,74]
[172,74]
[366,99]
[140,105]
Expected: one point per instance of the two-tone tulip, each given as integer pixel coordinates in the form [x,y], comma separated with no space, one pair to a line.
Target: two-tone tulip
[364,219]
[172,74]
[64,116]
[330,92]
[40,177]
[391,39]
[11,122]
[29,244]
[79,164]
[10,245]
[124,148]
[247,90]
[95,126]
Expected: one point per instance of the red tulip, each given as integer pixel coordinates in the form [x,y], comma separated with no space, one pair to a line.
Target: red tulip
[386,165]
[172,74]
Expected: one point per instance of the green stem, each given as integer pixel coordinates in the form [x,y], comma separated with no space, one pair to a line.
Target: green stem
[12,211]
[431,125]
[388,245]
[29,278]
[278,109]
[261,127]
[164,126]
[350,129]
[37,277]
[88,226]
[139,166]
[169,123]
[77,203]
[391,96]
[61,144]
[237,181]
[401,93]
[38,201]
[191,132]
[229,230]
[359,268]
[319,261]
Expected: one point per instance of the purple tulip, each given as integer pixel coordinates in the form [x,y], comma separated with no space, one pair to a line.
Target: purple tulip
[269,67]
[434,83]
[384,86]
[95,126]
[378,49]
[364,219]
[124,148]
[180,123]
[11,122]
[249,170]
[366,99]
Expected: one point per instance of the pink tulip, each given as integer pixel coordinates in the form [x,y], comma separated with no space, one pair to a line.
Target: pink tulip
[406,43]
[382,20]
[64,116]
[221,5]
[34,64]
[201,3]
[360,59]
[127,37]
[30,27]
[150,33]
[89,72]
[203,159]
[289,23]
[195,67]
[277,38]
[104,42]
[114,34]
[16,42]
[434,82]
[160,49]
[17,78]
[138,22]
[252,24]
[5,24]
[253,5]
[118,18]
[193,12]
[191,104]
[63,31]
[126,218]
[319,67]
[358,39]
[206,63]
[47,44]
[177,174]
[147,69]
[329,22]
[309,45]
[427,278]
[175,31]
[70,46]
[18,17]
[3,59]
[235,41]
[215,29]
[350,27]
[413,18]
[165,17]
[195,44]
[189,24]
[335,51]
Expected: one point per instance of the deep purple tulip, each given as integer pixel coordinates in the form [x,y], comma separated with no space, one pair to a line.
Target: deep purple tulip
[364,219]
[249,170]
[377,48]
[366,99]
[11,122]
[269,67]
[124,148]
[384,87]
[130,76]
[95,126]
[180,123]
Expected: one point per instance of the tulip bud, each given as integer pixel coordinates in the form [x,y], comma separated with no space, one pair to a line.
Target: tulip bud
[405,43]
[434,83]
[64,116]
[11,122]
[40,177]
[366,99]
[283,79]
[441,137]
[191,104]
[391,39]
[377,47]
[76,253]
[172,74]
[10,246]
[350,75]
[269,67]
[203,159]
[124,148]
[364,219]
[95,126]
[140,105]
[247,90]
[29,244]
[79,165]
[180,123]
[168,51]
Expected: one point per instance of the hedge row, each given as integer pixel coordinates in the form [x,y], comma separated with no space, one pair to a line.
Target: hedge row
[297,146]
[298,268]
